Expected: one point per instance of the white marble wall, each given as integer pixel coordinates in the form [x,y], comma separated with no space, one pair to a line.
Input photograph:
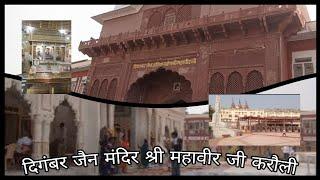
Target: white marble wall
[91,116]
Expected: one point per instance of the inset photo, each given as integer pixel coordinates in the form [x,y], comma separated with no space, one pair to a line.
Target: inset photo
[255,120]
[46,57]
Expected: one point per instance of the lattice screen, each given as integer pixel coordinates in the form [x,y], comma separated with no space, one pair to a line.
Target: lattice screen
[235,85]
[184,13]
[216,84]
[254,81]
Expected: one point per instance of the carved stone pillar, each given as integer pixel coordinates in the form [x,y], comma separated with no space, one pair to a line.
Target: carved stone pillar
[149,125]
[111,109]
[80,134]
[103,115]
[37,136]
[45,141]
[133,126]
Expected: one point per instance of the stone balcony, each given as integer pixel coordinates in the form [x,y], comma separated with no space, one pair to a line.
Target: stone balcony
[207,28]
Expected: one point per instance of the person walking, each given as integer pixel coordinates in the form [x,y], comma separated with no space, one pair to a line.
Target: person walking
[124,144]
[106,145]
[143,150]
[167,145]
[176,145]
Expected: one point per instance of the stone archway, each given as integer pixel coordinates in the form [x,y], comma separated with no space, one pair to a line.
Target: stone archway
[123,124]
[17,118]
[153,130]
[63,131]
[160,87]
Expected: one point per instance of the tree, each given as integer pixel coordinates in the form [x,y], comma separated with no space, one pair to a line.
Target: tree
[211,111]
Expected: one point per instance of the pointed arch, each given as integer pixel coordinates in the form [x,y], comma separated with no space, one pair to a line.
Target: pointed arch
[103,89]
[254,80]
[235,84]
[155,20]
[95,88]
[112,89]
[216,84]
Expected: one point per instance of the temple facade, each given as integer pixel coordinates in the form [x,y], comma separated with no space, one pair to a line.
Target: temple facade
[181,53]
[79,76]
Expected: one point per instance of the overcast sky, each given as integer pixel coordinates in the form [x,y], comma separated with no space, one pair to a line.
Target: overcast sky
[83,27]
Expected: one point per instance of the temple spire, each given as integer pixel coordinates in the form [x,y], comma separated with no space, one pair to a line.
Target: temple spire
[239,105]
[232,104]
[246,105]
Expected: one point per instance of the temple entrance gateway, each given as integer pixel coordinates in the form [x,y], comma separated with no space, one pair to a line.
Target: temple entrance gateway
[63,131]
[160,86]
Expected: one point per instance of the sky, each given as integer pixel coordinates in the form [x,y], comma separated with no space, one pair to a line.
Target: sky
[260,101]
[306,89]
[83,26]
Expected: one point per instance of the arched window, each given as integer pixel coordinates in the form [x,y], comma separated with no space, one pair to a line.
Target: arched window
[112,89]
[235,85]
[94,88]
[254,81]
[216,84]
[184,13]
[103,88]
[169,16]
[155,20]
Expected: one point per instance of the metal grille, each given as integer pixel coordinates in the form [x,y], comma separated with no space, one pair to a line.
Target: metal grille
[235,85]
[112,89]
[184,13]
[155,20]
[103,88]
[254,81]
[216,84]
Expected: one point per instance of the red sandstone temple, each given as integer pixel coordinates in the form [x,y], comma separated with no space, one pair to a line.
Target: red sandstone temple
[181,53]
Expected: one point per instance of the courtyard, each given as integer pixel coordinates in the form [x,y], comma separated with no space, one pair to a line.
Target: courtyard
[260,139]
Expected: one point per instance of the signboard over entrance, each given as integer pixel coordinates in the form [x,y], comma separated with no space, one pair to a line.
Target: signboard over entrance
[165,63]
